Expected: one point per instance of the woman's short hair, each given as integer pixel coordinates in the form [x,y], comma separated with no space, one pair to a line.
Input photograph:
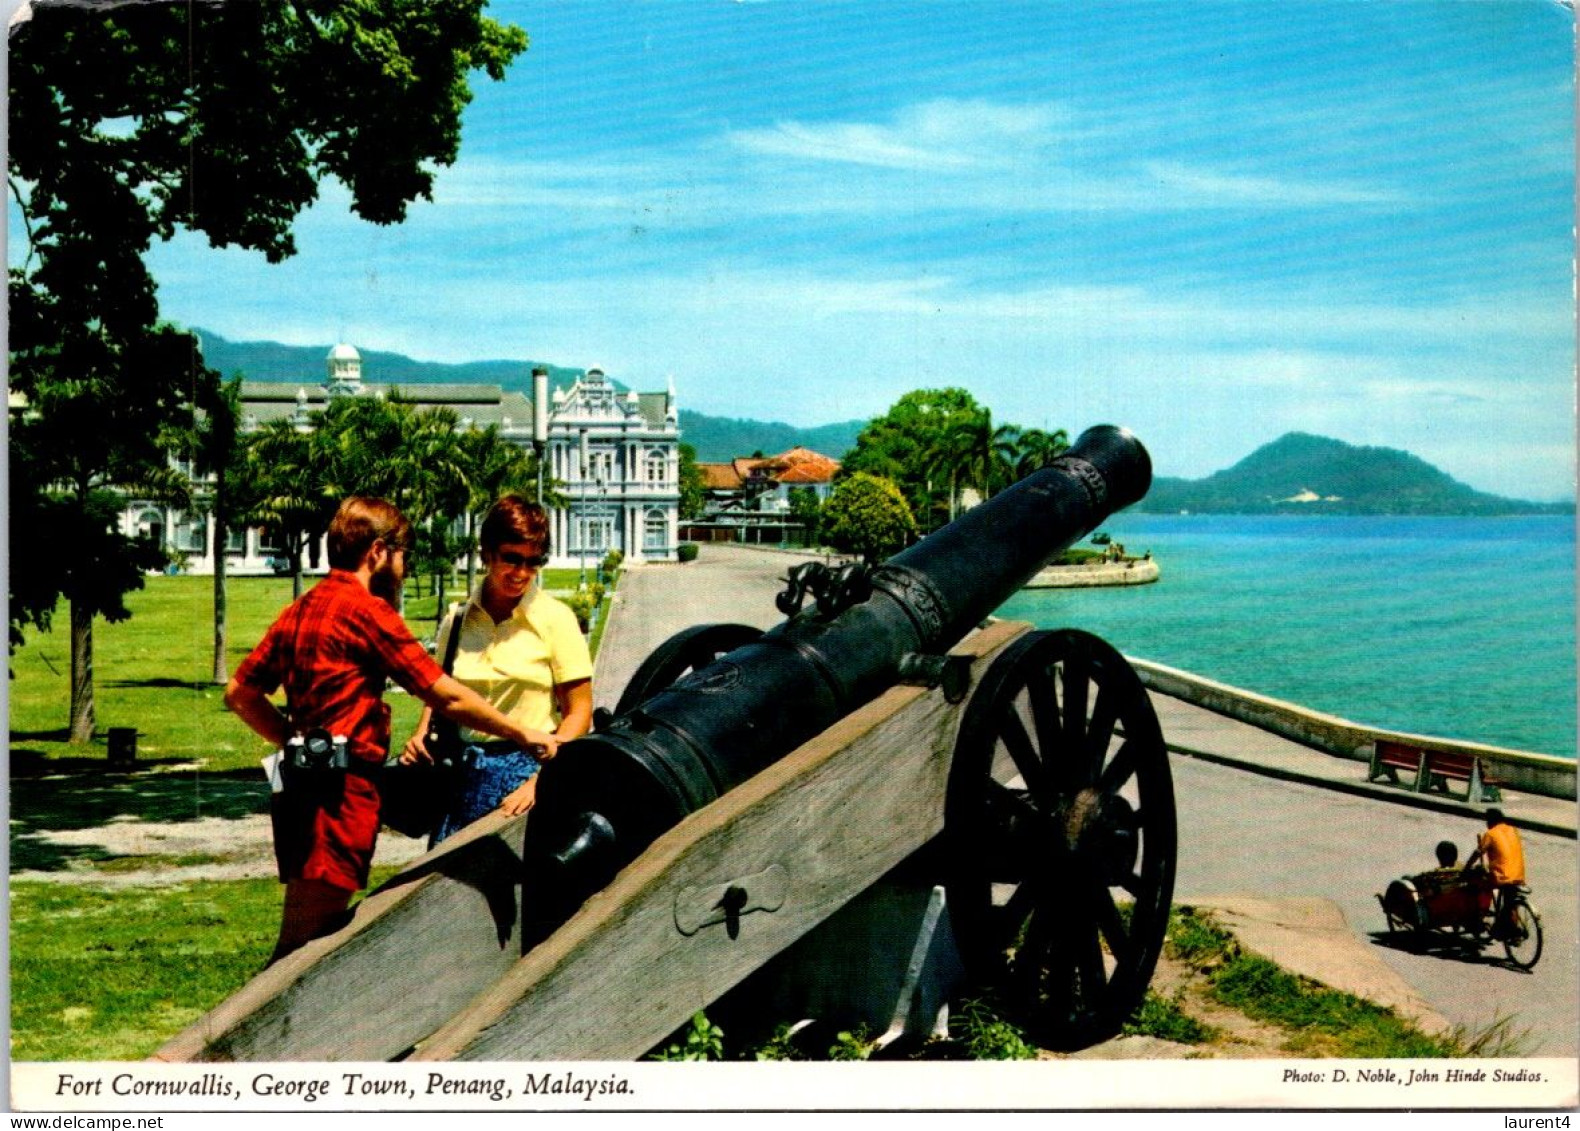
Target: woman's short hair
[360,522]
[513,519]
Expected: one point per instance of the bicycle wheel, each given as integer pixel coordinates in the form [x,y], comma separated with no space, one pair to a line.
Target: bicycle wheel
[1524,944]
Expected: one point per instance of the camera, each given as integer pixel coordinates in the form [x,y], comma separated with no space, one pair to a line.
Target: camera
[318,751]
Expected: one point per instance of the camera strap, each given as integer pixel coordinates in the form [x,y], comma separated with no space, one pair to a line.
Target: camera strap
[446,730]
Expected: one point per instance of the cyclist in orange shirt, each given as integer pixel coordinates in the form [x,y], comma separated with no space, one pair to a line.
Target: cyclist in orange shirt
[1505,861]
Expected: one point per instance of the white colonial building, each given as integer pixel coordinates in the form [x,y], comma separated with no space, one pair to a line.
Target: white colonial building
[614,456]
[617,456]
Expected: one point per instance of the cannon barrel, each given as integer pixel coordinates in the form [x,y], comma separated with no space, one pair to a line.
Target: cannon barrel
[610,794]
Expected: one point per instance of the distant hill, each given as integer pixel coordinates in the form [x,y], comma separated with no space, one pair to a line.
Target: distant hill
[273,361]
[715,438]
[720,438]
[1303,474]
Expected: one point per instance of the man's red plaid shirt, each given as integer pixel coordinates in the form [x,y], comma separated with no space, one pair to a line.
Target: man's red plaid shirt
[332,651]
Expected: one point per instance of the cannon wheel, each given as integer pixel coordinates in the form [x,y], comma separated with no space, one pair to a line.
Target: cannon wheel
[686,651]
[1060,829]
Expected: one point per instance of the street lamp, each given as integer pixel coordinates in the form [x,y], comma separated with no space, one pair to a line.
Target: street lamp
[583,532]
[540,420]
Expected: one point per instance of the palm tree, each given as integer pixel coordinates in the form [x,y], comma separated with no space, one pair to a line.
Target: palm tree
[219,457]
[288,468]
[1036,449]
[981,454]
[493,467]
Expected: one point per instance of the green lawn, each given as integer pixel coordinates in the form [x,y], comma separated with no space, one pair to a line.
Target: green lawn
[112,974]
[152,672]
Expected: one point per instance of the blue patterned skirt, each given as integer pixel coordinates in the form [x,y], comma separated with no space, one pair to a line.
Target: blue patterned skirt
[494,771]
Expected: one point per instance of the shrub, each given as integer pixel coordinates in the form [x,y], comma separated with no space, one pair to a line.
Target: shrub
[868,515]
[985,1035]
[701,1039]
[686,551]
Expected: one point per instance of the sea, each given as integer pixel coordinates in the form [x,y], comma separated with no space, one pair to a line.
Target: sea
[1457,627]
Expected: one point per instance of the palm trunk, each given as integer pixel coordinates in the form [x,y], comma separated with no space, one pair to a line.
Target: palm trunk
[471,553]
[81,673]
[221,671]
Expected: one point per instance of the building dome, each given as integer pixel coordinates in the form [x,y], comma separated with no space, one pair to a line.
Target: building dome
[344,365]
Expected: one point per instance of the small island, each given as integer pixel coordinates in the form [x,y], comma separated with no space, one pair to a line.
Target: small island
[1082,569]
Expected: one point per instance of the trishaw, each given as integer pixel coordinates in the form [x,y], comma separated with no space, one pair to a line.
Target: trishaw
[1458,905]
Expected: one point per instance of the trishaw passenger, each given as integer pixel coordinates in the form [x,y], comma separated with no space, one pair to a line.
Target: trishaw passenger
[1505,856]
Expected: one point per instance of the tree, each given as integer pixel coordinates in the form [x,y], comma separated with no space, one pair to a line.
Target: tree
[219,459]
[905,444]
[692,499]
[142,119]
[807,510]
[980,453]
[1036,449]
[105,426]
[288,468]
[493,466]
[868,515]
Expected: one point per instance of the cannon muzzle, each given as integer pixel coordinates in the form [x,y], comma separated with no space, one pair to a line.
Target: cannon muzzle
[610,794]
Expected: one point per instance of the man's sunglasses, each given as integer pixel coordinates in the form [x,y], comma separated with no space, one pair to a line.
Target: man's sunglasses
[516,561]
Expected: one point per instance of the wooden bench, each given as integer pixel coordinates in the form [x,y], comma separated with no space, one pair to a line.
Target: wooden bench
[1432,769]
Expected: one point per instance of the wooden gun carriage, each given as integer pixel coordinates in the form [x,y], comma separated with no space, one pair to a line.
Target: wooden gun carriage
[749,785]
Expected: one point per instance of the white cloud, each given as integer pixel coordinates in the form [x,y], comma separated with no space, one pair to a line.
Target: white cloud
[1207,185]
[942,135]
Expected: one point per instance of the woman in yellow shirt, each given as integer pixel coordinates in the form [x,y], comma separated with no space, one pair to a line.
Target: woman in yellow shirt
[523,651]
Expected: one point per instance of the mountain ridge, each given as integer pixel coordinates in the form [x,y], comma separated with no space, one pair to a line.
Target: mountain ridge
[1298,473]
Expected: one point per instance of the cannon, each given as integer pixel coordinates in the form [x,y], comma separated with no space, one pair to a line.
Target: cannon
[694,724]
[749,783]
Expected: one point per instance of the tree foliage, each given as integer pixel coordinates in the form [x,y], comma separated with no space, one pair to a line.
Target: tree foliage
[692,499]
[867,515]
[937,443]
[807,509]
[220,118]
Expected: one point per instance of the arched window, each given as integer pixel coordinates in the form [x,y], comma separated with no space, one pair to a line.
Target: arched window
[657,466]
[151,527]
[655,530]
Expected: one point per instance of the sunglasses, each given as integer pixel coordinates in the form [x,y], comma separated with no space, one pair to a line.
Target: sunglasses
[517,561]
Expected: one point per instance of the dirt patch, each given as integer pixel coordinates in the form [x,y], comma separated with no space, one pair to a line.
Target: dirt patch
[128,852]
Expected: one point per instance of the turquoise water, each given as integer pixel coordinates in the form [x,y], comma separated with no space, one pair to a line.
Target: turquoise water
[1459,627]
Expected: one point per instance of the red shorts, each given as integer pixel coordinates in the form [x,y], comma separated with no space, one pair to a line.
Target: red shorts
[326,830]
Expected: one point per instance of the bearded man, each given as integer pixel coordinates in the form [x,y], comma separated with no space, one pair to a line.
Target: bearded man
[333,650]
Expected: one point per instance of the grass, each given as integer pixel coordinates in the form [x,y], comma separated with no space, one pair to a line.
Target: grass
[112,974]
[152,672]
[1166,1019]
[1320,1021]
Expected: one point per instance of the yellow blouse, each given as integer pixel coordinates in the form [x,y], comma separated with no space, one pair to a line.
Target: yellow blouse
[517,663]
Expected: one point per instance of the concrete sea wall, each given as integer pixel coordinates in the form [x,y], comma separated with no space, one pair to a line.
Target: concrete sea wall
[1138,571]
[1542,774]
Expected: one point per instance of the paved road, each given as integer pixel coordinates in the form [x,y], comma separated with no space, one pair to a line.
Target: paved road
[1241,830]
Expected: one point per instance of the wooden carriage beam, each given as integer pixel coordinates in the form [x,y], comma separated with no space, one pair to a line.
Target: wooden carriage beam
[416,950]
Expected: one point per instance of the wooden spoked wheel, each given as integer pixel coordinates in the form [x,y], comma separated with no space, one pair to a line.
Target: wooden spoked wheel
[1060,836]
[687,651]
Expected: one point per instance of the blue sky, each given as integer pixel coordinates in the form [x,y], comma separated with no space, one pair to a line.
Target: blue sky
[1211,222]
